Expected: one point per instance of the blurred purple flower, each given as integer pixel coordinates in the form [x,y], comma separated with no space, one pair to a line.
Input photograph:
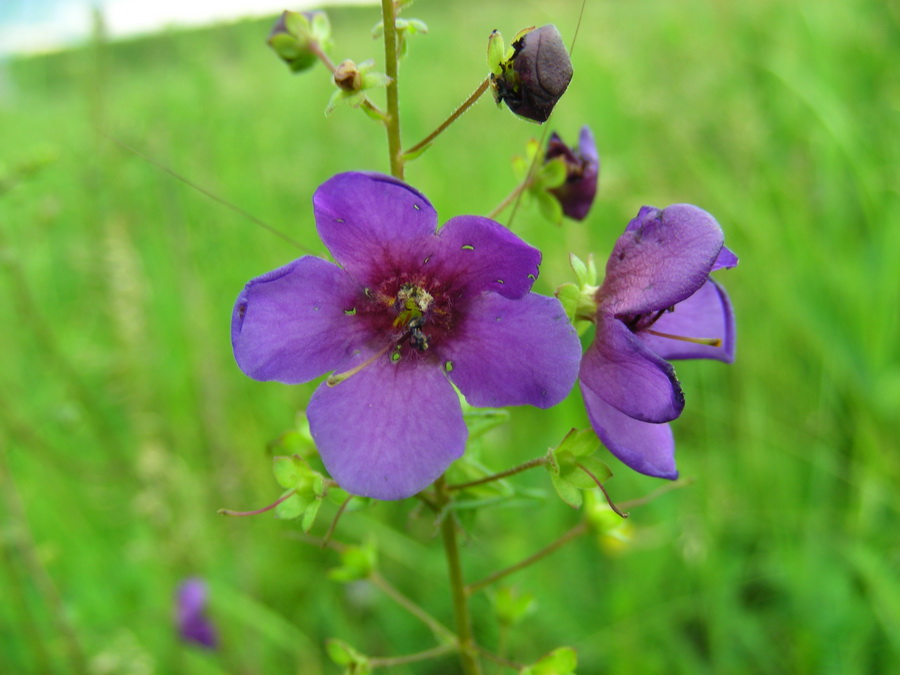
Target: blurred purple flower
[577,194]
[407,311]
[657,302]
[193,624]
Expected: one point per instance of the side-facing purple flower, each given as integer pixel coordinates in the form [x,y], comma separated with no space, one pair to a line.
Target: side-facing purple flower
[657,302]
[193,624]
[407,311]
[577,194]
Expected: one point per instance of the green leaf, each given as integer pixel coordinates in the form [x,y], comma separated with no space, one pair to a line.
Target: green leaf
[288,471]
[561,661]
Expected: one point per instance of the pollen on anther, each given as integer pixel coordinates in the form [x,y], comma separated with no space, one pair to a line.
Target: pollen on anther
[468,247]
[448,366]
[350,312]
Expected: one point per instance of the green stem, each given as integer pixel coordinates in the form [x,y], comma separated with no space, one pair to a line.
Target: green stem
[574,533]
[468,649]
[392,123]
[432,653]
[465,105]
[519,189]
[530,464]
[441,632]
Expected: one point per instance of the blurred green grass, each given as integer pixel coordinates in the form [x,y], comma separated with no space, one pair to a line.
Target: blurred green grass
[125,423]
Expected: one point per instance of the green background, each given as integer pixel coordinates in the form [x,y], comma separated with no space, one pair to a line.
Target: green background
[125,424]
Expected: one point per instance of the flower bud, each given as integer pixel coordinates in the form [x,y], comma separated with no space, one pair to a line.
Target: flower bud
[576,194]
[297,36]
[535,76]
[347,76]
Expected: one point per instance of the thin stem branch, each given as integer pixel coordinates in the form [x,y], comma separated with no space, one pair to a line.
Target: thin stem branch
[465,105]
[256,512]
[574,533]
[496,658]
[425,655]
[609,500]
[392,123]
[467,647]
[530,464]
[441,632]
[658,492]
[519,189]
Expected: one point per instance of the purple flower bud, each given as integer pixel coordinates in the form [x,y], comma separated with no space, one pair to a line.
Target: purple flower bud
[577,194]
[536,76]
[193,625]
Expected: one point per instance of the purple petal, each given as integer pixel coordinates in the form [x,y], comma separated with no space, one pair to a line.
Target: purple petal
[706,314]
[662,258]
[476,254]
[193,626]
[618,368]
[513,352]
[726,260]
[372,222]
[645,447]
[291,325]
[390,430]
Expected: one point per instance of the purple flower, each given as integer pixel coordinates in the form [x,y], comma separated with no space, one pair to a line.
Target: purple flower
[576,195]
[407,313]
[193,625]
[657,302]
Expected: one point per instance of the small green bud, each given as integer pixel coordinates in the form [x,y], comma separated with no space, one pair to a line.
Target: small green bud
[297,36]
[511,607]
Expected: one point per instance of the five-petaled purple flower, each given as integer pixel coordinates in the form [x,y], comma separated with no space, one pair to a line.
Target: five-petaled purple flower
[576,194]
[656,293]
[193,624]
[407,311]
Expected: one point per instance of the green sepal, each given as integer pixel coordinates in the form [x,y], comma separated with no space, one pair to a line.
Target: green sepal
[561,661]
[496,53]
[552,174]
[357,562]
[570,494]
[309,515]
[297,24]
[566,462]
[292,507]
[510,607]
[550,207]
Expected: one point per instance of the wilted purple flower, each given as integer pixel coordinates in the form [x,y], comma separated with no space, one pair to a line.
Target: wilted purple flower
[576,195]
[193,624]
[409,311]
[657,302]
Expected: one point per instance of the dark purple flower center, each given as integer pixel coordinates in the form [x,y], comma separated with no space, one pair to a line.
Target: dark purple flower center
[413,312]
[639,322]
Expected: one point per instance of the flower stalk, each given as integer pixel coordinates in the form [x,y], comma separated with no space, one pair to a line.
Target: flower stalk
[468,649]
[465,105]
[392,124]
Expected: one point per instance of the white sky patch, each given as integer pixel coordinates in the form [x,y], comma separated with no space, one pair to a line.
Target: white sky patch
[31,26]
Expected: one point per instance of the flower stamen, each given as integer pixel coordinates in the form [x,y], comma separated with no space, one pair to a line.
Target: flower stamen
[711,342]
[335,379]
